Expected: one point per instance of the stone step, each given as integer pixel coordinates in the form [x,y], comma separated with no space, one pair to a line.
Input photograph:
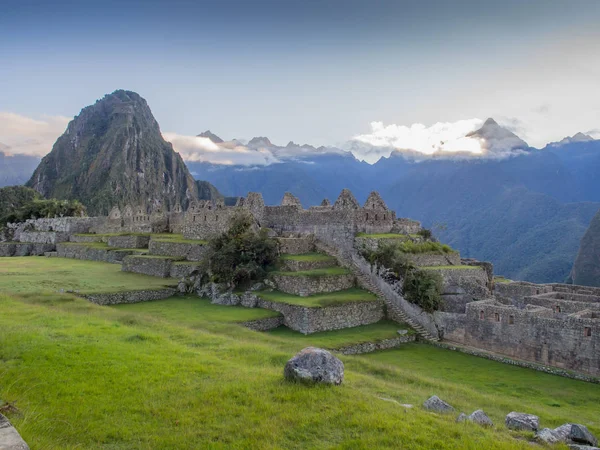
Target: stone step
[296,245]
[315,281]
[306,261]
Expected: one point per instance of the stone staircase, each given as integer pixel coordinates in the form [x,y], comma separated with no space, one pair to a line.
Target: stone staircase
[397,313]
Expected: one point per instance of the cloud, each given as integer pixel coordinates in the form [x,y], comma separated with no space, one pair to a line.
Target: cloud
[200,149]
[442,137]
[27,136]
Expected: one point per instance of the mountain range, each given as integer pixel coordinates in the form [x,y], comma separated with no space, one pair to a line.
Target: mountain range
[524,209]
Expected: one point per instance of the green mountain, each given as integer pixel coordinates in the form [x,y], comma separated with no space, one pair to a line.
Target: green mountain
[586,270]
[114,154]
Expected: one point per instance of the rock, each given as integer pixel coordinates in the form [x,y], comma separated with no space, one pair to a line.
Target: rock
[402,332]
[581,435]
[582,447]
[10,439]
[437,404]
[562,433]
[522,421]
[461,417]
[314,365]
[548,436]
[480,418]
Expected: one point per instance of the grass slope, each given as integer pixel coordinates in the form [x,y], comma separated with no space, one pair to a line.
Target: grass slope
[89,377]
[39,274]
[326,271]
[319,300]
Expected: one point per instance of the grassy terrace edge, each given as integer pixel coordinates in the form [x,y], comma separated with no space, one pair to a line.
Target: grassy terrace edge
[319,300]
[324,272]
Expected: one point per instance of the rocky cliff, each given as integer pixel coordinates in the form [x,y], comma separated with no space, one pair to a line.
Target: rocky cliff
[113,153]
[586,270]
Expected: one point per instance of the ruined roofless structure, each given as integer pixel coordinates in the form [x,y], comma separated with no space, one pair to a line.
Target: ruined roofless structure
[337,223]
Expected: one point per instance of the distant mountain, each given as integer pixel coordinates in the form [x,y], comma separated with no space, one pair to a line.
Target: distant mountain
[586,270]
[498,140]
[213,137]
[578,137]
[207,191]
[15,169]
[113,153]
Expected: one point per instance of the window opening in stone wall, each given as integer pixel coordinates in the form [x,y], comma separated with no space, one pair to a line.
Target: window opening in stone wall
[557,308]
[375,216]
[497,317]
[587,331]
[216,218]
[511,320]
[481,315]
[537,291]
[367,216]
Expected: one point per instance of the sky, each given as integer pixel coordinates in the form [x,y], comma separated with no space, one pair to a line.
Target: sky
[319,72]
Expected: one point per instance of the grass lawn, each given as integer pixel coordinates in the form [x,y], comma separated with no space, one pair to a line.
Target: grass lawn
[191,310]
[325,271]
[84,376]
[338,338]
[308,257]
[319,300]
[499,279]
[32,274]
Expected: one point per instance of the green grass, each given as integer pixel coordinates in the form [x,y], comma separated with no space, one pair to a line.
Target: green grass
[308,257]
[193,311]
[384,235]
[187,263]
[103,246]
[172,258]
[319,300]
[499,279]
[339,338]
[124,233]
[177,238]
[38,274]
[89,377]
[425,247]
[450,267]
[325,271]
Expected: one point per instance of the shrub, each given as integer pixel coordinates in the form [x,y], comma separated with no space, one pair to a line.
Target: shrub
[423,288]
[240,255]
[424,247]
[42,208]
[425,233]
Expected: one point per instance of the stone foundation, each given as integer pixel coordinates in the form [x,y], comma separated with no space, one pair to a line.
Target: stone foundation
[89,238]
[148,265]
[370,347]
[118,298]
[24,249]
[132,241]
[183,269]
[43,237]
[81,251]
[434,259]
[293,265]
[270,323]
[191,252]
[309,285]
[296,246]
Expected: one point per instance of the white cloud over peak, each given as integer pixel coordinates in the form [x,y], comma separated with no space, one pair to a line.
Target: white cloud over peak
[201,149]
[439,138]
[27,136]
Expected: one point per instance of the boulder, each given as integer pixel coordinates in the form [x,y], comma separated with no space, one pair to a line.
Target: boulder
[581,435]
[582,447]
[480,418]
[522,421]
[437,404]
[314,365]
[548,436]
[461,417]
[10,439]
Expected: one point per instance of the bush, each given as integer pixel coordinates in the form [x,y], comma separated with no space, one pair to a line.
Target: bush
[424,247]
[425,234]
[240,255]
[423,288]
[41,208]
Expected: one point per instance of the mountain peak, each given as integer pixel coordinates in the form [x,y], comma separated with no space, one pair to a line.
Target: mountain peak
[260,141]
[577,137]
[113,153]
[490,122]
[498,139]
[210,135]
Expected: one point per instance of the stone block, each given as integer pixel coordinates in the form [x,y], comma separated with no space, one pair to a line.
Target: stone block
[308,285]
[129,241]
[155,266]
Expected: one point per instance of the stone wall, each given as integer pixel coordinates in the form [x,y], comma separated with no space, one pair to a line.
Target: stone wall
[434,259]
[87,238]
[368,243]
[155,266]
[181,269]
[24,249]
[266,324]
[535,334]
[369,347]
[293,265]
[191,252]
[451,326]
[406,226]
[118,298]
[309,285]
[43,237]
[131,241]
[296,245]
[81,251]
